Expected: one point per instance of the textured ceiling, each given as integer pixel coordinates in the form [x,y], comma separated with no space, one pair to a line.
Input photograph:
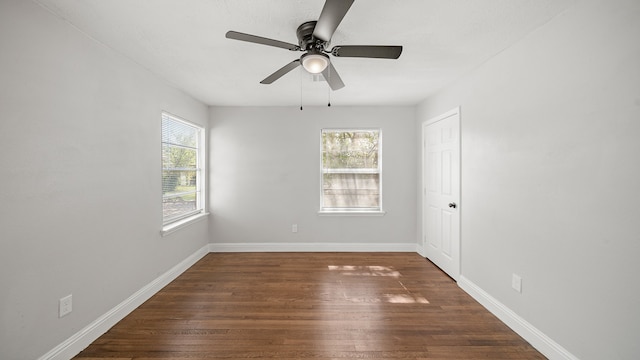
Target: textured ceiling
[183,41]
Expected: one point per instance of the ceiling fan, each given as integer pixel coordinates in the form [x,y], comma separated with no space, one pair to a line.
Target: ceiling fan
[313,39]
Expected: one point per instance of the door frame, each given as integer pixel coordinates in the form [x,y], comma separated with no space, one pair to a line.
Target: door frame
[453,112]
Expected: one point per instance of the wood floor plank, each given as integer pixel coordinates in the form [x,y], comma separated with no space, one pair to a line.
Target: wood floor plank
[311,306]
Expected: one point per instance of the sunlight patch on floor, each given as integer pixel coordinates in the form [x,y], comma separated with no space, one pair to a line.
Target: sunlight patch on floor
[365,270]
[405,299]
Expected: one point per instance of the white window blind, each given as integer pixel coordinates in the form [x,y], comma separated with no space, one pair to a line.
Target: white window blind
[181,169]
[351,170]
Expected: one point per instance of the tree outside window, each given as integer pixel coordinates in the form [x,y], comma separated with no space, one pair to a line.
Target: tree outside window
[181,195]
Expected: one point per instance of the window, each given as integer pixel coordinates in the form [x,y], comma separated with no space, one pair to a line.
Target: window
[182,160]
[351,168]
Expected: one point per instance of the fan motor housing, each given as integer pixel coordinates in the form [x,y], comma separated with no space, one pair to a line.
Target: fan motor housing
[305,37]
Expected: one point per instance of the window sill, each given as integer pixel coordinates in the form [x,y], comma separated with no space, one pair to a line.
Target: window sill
[175,226]
[351,213]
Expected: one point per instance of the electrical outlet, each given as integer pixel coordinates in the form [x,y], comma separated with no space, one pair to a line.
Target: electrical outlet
[65,305]
[516,283]
[294,228]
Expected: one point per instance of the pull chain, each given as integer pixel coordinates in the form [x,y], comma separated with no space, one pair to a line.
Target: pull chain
[300,88]
[328,87]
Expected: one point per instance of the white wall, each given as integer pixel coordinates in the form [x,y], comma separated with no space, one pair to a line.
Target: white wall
[551,177]
[80,207]
[265,164]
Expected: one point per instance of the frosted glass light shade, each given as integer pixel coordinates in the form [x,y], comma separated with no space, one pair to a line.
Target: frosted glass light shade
[315,63]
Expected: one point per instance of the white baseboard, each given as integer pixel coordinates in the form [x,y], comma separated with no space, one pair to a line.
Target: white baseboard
[83,338]
[535,337]
[313,247]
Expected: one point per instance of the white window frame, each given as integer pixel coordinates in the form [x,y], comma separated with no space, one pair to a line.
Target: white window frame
[172,224]
[351,211]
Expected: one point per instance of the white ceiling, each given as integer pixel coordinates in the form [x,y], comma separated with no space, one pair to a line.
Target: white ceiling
[183,41]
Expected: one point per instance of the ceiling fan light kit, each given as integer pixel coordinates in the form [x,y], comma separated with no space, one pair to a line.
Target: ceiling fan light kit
[314,63]
[313,39]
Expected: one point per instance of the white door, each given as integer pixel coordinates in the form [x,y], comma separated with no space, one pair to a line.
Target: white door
[441,191]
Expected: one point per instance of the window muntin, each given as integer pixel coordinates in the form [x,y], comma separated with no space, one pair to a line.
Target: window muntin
[351,170]
[182,148]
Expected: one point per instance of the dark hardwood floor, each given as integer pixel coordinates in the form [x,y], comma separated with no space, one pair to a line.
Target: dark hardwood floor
[311,306]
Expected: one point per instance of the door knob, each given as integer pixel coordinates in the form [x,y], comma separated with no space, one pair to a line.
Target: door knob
[452,205]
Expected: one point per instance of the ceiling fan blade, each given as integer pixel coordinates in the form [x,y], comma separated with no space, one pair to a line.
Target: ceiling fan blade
[333,79]
[281,72]
[368,51]
[260,40]
[332,14]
